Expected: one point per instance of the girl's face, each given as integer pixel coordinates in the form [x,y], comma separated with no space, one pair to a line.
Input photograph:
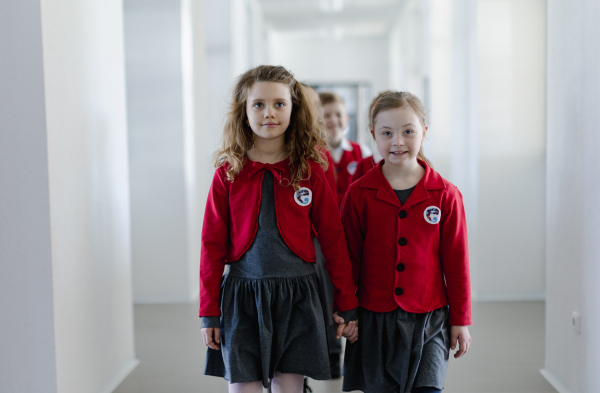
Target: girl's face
[398,134]
[336,120]
[269,108]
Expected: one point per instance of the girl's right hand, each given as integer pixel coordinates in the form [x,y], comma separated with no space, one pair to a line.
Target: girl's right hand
[212,338]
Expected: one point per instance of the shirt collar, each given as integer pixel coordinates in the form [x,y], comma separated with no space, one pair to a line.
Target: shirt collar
[345,144]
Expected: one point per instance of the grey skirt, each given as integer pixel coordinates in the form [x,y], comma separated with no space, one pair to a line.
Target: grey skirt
[269,325]
[398,351]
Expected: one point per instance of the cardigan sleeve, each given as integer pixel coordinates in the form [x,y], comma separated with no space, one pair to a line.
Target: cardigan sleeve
[354,235]
[454,255]
[326,220]
[214,244]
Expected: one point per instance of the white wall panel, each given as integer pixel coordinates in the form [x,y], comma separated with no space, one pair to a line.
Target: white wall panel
[89,192]
[572,194]
[28,353]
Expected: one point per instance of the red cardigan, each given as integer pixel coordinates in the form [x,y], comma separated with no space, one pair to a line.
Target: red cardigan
[346,168]
[231,222]
[413,256]
[363,167]
[330,175]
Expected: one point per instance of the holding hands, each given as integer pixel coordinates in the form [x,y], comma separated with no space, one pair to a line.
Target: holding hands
[348,330]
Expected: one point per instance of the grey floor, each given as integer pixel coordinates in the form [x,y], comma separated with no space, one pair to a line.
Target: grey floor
[506,354]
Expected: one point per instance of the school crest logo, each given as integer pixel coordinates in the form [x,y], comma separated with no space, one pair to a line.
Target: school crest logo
[303,196]
[432,214]
[352,168]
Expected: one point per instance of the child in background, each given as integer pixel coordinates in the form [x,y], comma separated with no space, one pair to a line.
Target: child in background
[367,163]
[313,97]
[407,237]
[334,344]
[346,154]
[262,320]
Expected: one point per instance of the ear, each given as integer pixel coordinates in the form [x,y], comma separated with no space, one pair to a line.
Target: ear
[372,133]
[425,131]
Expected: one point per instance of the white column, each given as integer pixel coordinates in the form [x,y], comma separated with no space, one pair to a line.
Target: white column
[89,193]
[161,150]
[28,355]
[511,38]
[65,287]
[463,164]
[572,194]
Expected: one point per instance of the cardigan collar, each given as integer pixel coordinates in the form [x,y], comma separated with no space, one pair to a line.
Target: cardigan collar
[374,179]
[278,169]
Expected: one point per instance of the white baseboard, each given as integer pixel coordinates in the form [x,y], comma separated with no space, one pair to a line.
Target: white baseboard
[120,376]
[164,299]
[513,297]
[555,381]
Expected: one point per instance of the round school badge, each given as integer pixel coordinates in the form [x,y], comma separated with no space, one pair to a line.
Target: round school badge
[432,214]
[352,168]
[303,196]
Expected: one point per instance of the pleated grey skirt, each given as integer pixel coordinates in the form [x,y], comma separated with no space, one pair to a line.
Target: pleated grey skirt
[398,351]
[269,325]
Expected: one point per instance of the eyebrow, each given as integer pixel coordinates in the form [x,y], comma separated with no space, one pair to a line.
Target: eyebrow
[276,99]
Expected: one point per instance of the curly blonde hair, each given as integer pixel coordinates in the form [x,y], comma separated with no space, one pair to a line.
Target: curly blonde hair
[304,137]
[400,99]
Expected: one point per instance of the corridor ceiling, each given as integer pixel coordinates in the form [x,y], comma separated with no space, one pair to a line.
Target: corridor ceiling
[331,18]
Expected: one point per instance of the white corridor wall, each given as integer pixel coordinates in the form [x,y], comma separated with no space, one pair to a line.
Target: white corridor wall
[572,194]
[67,316]
[89,193]
[491,141]
[162,257]
[351,59]
[28,355]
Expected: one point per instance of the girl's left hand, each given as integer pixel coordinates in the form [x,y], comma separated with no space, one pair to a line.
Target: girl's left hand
[460,334]
[349,330]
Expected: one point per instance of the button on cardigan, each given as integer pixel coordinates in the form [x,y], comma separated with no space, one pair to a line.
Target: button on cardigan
[231,222]
[413,256]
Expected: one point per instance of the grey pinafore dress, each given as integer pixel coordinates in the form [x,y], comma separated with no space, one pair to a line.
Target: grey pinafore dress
[398,351]
[271,313]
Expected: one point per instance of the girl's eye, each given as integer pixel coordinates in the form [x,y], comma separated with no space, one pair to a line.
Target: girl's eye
[279,104]
[407,132]
[258,105]
[386,133]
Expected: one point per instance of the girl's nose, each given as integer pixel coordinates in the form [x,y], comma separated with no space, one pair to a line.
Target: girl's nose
[269,112]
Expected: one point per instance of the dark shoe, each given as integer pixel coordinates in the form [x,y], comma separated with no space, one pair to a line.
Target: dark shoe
[334,365]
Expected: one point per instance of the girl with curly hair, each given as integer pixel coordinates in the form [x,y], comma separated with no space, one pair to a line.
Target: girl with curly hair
[262,319]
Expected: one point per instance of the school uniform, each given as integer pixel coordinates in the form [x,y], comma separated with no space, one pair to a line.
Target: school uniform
[330,174]
[346,158]
[410,264]
[365,165]
[268,300]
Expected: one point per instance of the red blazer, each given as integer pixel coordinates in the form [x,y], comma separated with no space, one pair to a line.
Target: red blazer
[401,255]
[330,175]
[231,222]
[346,168]
[363,167]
